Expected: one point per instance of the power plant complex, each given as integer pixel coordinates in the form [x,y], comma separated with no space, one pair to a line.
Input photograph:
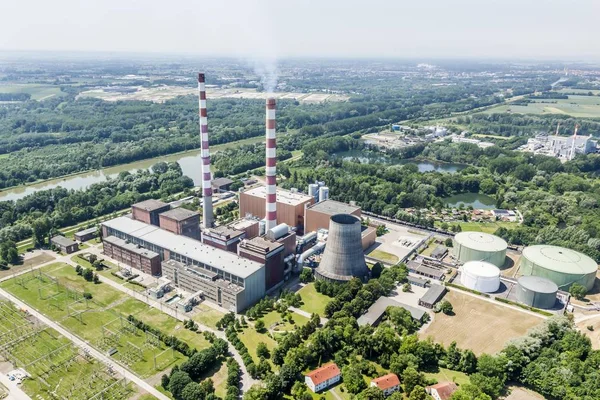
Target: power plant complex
[236,264]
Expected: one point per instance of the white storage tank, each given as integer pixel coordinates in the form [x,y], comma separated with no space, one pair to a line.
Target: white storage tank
[313,190]
[481,276]
[323,193]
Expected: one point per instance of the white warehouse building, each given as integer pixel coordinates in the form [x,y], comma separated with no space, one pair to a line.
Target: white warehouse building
[481,276]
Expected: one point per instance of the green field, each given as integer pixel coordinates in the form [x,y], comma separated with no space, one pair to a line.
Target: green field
[56,367]
[56,291]
[207,315]
[446,375]
[314,302]
[274,322]
[487,227]
[37,92]
[384,256]
[251,339]
[575,106]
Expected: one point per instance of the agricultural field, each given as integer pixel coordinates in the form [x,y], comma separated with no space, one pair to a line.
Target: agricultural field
[478,324]
[37,91]
[57,291]
[314,302]
[575,106]
[56,366]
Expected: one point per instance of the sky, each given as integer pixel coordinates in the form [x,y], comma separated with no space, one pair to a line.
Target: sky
[276,29]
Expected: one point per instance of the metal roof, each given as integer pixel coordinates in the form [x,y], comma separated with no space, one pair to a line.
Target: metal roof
[378,308]
[150,205]
[332,207]
[130,247]
[482,269]
[62,241]
[283,196]
[87,231]
[481,241]
[434,293]
[538,284]
[179,214]
[560,259]
[185,246]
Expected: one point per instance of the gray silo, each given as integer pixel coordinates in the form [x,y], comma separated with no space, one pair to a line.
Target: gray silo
[535,291]
[343,257]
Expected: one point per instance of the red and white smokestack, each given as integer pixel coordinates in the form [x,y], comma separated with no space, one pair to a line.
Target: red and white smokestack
[270,172]
[207,206]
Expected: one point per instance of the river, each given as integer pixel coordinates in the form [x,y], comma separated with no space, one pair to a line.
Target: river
[422,165]
[477,200]
[189,162]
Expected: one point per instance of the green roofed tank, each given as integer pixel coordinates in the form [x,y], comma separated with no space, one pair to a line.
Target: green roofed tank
[561,265]
[479,246]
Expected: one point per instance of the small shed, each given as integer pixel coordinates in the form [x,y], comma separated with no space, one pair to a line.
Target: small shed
[432,296]
[64,244]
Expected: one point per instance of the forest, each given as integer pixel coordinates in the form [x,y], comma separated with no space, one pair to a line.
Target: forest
[559,202]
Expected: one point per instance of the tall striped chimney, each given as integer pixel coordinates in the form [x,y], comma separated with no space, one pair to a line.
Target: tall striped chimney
[207,206]
[270,171]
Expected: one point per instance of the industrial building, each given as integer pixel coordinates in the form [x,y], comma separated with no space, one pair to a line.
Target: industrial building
[318,216]
[538,292]
[343,258]
[86,234]
[248,275]
[221,184]
[65,245]
[205,284]
[223,237]
[561,265]
[132,255]
[481,276]
[181,222]
[290,206]
[432,296]
[377,310]
[479,246]
[562,147]
[424,270]
[148,211]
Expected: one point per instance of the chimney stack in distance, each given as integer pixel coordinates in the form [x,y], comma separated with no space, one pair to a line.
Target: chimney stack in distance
[207,206]
[270,170]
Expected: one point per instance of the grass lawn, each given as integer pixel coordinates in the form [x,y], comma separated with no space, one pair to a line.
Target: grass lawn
[251,339]
[37,260]
[105,272]
[219,378]
[384,256]
[206,315]
[487,227]
[314,302]
[274,317]
[446,375]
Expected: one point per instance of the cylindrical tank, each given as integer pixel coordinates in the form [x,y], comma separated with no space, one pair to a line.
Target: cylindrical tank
[535,291]
[313,190]
[323,193]
[481,276]
[278,231]
[561,265]
[479,246]
[343,257]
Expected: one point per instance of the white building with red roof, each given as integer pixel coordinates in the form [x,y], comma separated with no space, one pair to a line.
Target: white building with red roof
[388,383]
[442,391]
[323,377]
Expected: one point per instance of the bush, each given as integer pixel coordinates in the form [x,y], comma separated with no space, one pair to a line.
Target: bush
[87,295]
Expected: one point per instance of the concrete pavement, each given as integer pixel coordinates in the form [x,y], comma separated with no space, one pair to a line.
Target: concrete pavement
[14,391]
[84,345]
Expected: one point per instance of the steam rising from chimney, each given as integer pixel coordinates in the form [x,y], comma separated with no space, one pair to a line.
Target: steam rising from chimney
[207,207]
[270,170]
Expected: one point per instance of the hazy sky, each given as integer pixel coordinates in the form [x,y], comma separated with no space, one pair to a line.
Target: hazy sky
[558,29]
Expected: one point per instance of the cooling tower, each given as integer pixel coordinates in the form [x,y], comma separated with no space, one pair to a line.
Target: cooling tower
[343,257]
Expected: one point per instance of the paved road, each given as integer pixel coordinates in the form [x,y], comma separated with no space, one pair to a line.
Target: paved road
[84,345]
[14,391]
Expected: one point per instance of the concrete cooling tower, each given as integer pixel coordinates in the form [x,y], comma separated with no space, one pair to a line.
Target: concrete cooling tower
[343,258]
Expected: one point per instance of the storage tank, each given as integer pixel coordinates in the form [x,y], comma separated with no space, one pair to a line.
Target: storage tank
[323,193]
[479,246]
[278,231]
[535,291]
[343,257]
[481,276]
[313,190]
[561,265]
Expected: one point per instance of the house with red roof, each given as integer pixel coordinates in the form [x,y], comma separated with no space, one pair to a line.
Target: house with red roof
[442,391]
[388,383]
[323,377]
